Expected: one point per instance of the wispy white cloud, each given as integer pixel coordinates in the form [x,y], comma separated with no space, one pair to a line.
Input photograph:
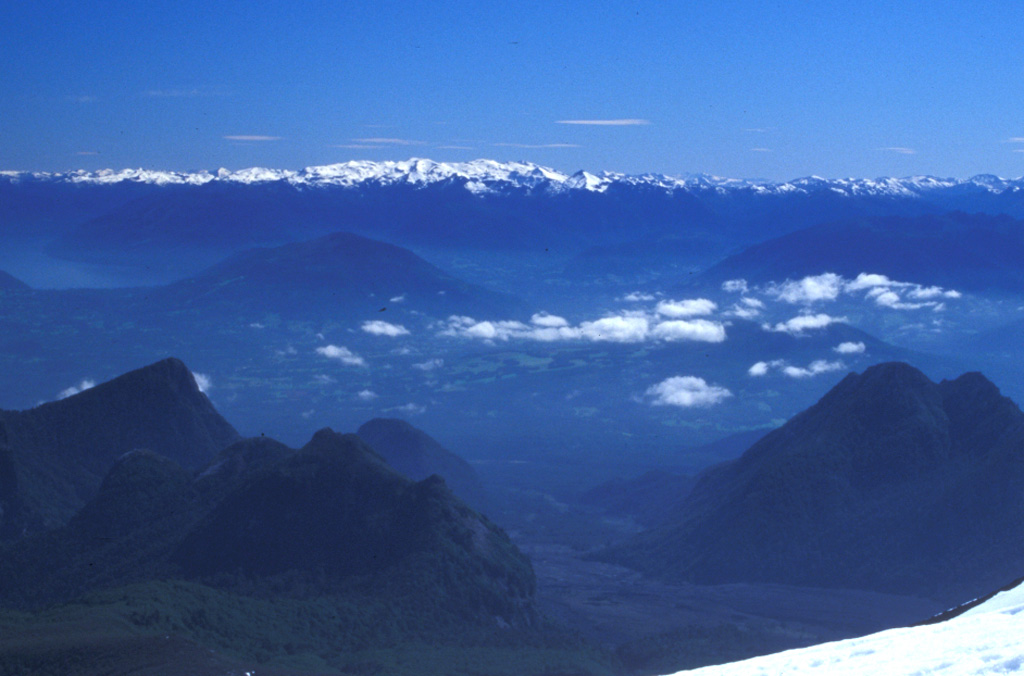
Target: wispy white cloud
[172,93]
[800,324]
[536,145]
[381,140]
[251,137]
[850,347]
[747,308]
[83,99]
[86,384]
[815,368]
[760,150]
[410,409]
[900,150]
[624,122]
[87,152]
[367,395]
[637,297]
[377,327]
[429,365]
[692,307]
[735,286]
[456,148]
[203,382]
[686,392]
[342,354]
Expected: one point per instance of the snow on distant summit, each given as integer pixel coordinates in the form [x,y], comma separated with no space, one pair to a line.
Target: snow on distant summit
[488,176]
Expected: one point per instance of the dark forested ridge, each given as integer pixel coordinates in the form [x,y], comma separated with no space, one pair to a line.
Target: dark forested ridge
[263,553]
[59,451]
[891,482]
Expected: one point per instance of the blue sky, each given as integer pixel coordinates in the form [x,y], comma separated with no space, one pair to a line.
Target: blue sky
[743,89]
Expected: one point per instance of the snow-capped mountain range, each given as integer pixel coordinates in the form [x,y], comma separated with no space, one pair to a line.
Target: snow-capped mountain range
[489,176]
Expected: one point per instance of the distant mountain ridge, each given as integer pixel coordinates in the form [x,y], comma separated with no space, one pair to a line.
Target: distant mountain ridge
[417,455]
[484,175]
[965,251]
[891,482]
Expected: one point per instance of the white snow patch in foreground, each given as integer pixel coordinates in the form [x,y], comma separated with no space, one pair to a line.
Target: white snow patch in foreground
[986,640]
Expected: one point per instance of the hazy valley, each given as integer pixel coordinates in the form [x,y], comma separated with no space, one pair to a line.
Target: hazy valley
[679,421]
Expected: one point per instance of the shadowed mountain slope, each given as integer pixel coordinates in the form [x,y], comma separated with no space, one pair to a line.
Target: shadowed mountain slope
[341,272]
[417,455]
[332,518]
[964,251]
[891,483]
[9,282]
[61,450]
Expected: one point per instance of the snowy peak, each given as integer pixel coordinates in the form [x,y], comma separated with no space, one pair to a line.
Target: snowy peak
[489,176]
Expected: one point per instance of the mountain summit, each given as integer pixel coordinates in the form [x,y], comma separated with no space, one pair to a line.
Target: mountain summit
[59,452]
[891,482]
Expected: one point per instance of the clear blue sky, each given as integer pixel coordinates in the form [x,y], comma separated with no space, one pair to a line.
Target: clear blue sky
[742,89]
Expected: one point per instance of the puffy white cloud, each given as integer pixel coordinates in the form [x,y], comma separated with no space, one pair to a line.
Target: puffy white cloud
[342,354]
[616,329]
[849,348]
[377,327]
[687,392]
[926,293]
[801,323]
[762,368]
[814,368]
[735,286]
[627,327]
[894,295]
[758,369]
[86,384]
[203,382]
[548,321]
[367,395]
[812,289]
[429,365]
[692,329]
[548,335]
[693,307]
